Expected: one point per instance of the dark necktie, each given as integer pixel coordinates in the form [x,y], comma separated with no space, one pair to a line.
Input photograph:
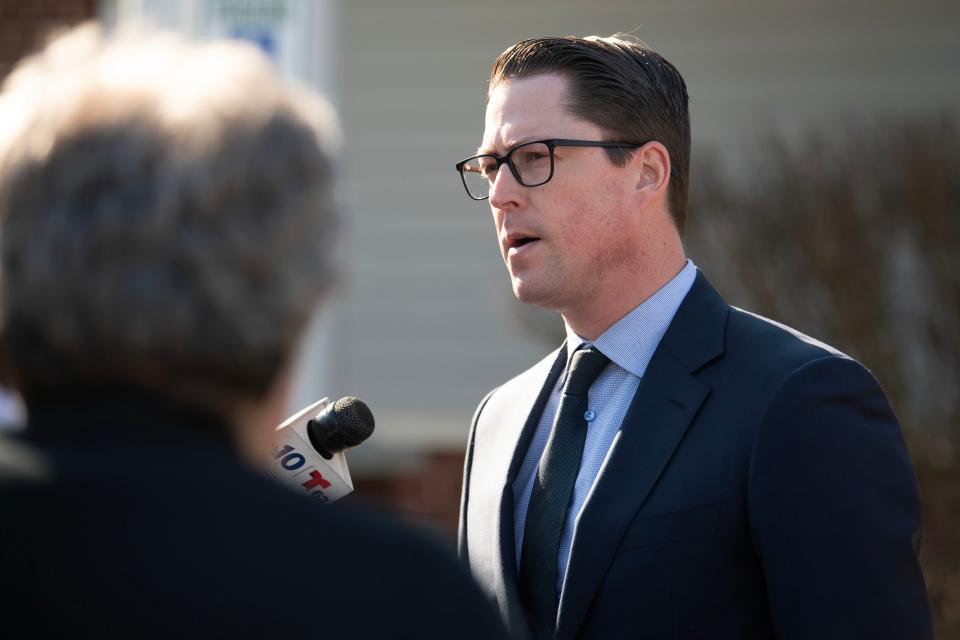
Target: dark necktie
[552,490]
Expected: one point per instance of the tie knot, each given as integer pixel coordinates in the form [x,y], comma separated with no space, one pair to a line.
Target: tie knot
[585,366]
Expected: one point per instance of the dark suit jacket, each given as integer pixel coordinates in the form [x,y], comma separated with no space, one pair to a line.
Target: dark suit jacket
[759,488]
[123,517]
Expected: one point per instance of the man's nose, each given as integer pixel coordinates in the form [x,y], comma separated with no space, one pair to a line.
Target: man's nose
[505,190]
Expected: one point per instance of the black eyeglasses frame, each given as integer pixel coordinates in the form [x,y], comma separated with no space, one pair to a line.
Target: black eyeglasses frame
[551,144]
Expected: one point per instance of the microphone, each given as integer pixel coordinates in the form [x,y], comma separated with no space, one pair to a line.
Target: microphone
[341,425]
[308,447]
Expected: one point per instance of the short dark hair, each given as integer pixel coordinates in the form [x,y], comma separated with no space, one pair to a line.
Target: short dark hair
[633,93]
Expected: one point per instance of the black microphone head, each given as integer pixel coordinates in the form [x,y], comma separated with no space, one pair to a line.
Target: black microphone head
[354,420]
[341,425]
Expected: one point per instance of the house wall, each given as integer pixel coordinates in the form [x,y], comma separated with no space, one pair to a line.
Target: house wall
[426,323]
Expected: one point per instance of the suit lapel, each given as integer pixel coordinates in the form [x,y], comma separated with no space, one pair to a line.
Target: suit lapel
[508,422]
[508,552]
[662,410]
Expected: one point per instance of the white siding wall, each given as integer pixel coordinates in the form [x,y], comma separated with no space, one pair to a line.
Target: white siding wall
[424,327]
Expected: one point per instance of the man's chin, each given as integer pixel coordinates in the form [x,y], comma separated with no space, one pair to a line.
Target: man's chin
[531,292]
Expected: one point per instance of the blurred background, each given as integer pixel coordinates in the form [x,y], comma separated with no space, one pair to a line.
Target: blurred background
[825,194]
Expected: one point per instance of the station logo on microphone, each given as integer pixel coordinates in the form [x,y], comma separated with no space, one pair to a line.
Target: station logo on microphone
[296,463]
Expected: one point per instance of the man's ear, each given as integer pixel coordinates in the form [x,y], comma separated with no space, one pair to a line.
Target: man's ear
[651,164]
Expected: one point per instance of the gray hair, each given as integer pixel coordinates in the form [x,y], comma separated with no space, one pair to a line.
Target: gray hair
[166,217]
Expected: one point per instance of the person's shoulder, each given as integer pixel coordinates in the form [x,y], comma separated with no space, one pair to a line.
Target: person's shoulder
[345,534]
[533,377]
[517,390]
[377,575]
[774,360]
[796,372]
[764,338]
[393,578]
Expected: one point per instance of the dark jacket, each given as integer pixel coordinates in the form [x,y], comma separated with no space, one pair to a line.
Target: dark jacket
[759,488]
[124,517]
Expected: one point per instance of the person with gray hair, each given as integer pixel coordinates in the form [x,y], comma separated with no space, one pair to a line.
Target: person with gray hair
[166,227]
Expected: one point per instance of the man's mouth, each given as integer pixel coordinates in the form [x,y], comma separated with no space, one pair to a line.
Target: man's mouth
[519,241]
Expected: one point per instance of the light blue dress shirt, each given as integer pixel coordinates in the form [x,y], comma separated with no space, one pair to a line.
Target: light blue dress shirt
[629,344]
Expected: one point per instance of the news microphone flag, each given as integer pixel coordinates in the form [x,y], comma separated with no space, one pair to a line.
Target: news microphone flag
[296,463]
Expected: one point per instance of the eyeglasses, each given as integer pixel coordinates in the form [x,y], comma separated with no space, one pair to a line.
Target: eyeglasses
[531,163]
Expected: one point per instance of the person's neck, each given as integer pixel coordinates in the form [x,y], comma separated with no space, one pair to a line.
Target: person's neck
[256,421]
[612,299]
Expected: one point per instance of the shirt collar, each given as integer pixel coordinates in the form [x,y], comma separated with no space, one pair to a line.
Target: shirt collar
[631,341]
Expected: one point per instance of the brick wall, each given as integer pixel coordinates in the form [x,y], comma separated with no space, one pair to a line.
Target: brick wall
[25,25]
[428,494]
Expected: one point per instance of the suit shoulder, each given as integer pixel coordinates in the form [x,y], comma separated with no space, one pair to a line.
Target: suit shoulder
[770,358]
[534,374]
[766,338]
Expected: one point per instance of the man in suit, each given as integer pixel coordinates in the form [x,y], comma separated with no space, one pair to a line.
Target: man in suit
[679,468]
[166,219]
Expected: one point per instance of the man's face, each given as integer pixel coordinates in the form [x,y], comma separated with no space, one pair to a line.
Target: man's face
[566,240]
